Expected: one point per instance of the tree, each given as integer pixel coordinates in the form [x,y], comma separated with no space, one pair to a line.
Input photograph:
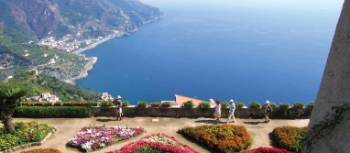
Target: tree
[10,95]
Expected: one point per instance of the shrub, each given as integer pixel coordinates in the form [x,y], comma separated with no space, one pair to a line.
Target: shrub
[9,140]
[125,103]
[283,111]
[204,106]
[53,112]
[288,137]
[155,104]
[188,105]
[266,150]
[142,104]
[24,133]
[274,106]
[58,104]
[255,105]
[239,105]
[46,150]
[309,109]
[106,104]
[297,111]
[165,105]
[222,138]
[224,105]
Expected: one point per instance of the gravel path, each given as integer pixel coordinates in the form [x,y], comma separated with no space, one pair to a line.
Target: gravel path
[67,128]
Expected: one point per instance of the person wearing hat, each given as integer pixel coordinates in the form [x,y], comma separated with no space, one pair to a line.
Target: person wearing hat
[232,109]
[217,113]
[267,111]
[119,108]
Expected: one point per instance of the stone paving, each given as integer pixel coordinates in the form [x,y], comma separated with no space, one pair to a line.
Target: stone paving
[67,128]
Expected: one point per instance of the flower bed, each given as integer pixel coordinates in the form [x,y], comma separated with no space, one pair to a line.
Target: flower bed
[266,150]
[24,133]
[156,143]
[222,138]
[94,138]
[288,137]
[46,150]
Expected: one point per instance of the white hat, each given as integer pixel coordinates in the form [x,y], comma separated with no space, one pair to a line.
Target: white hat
[232,101]
[267,102]
[211,100]
[119,97]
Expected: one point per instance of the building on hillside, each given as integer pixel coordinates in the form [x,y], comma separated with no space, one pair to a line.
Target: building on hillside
[45,97]
[105,96]
[181,100]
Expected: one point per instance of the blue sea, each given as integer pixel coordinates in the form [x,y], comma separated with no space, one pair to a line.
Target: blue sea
[247,50]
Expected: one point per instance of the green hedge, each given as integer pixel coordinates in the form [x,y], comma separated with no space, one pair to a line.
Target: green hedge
[53,112]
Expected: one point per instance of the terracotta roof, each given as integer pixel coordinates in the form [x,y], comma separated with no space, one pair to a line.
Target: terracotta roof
[180,100]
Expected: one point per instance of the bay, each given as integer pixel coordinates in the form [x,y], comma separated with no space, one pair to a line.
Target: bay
[248,50]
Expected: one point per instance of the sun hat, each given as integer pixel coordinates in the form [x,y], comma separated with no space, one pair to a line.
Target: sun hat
[119,97]
[232,101]
[267,102]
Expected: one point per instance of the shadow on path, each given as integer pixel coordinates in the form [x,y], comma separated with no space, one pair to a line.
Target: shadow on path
[210,121]
[255,123]
[105,120]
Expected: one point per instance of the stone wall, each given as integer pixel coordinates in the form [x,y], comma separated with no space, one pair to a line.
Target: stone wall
[185,112]
[329,131]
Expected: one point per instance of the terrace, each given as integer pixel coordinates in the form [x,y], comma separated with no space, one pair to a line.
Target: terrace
[67,128]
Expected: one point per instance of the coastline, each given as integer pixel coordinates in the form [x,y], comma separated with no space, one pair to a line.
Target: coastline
[103,40]
[84,72]
[92,60]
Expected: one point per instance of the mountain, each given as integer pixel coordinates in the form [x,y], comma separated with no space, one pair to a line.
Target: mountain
[38,84]
[44,34]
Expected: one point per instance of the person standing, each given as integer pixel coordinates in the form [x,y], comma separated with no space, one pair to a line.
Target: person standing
[217,113]
[232,109]
[119,108]
[267,111]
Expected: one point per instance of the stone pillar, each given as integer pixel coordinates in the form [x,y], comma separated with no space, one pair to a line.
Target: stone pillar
[334,92]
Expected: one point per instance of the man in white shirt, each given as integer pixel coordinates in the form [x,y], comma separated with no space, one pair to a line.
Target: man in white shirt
[232,109]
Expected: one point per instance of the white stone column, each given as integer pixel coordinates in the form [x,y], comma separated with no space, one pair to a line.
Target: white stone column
[334,91]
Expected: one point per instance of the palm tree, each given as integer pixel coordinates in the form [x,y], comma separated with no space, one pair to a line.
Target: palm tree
[10,95]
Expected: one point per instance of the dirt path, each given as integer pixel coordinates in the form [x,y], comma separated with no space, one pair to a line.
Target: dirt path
[67,128]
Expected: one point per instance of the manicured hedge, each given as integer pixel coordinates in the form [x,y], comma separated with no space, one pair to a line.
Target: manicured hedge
[266,150]
[58,104]
[53,112]
[288,137]
[221,138]
[46,150]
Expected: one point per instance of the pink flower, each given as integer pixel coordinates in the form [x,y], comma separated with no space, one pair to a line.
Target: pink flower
[157,141]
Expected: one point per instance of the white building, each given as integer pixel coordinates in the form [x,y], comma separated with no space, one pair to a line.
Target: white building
[105,96]
[46,97]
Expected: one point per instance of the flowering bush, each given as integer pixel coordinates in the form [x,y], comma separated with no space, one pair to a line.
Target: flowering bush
[266,150]
[94,138]
[47,150]
[24,133]
[156,143]
[165,105]
[222,138]
[288,137]
[155,104]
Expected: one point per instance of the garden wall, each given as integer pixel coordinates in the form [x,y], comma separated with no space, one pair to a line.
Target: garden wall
[195,113]
[78,110]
